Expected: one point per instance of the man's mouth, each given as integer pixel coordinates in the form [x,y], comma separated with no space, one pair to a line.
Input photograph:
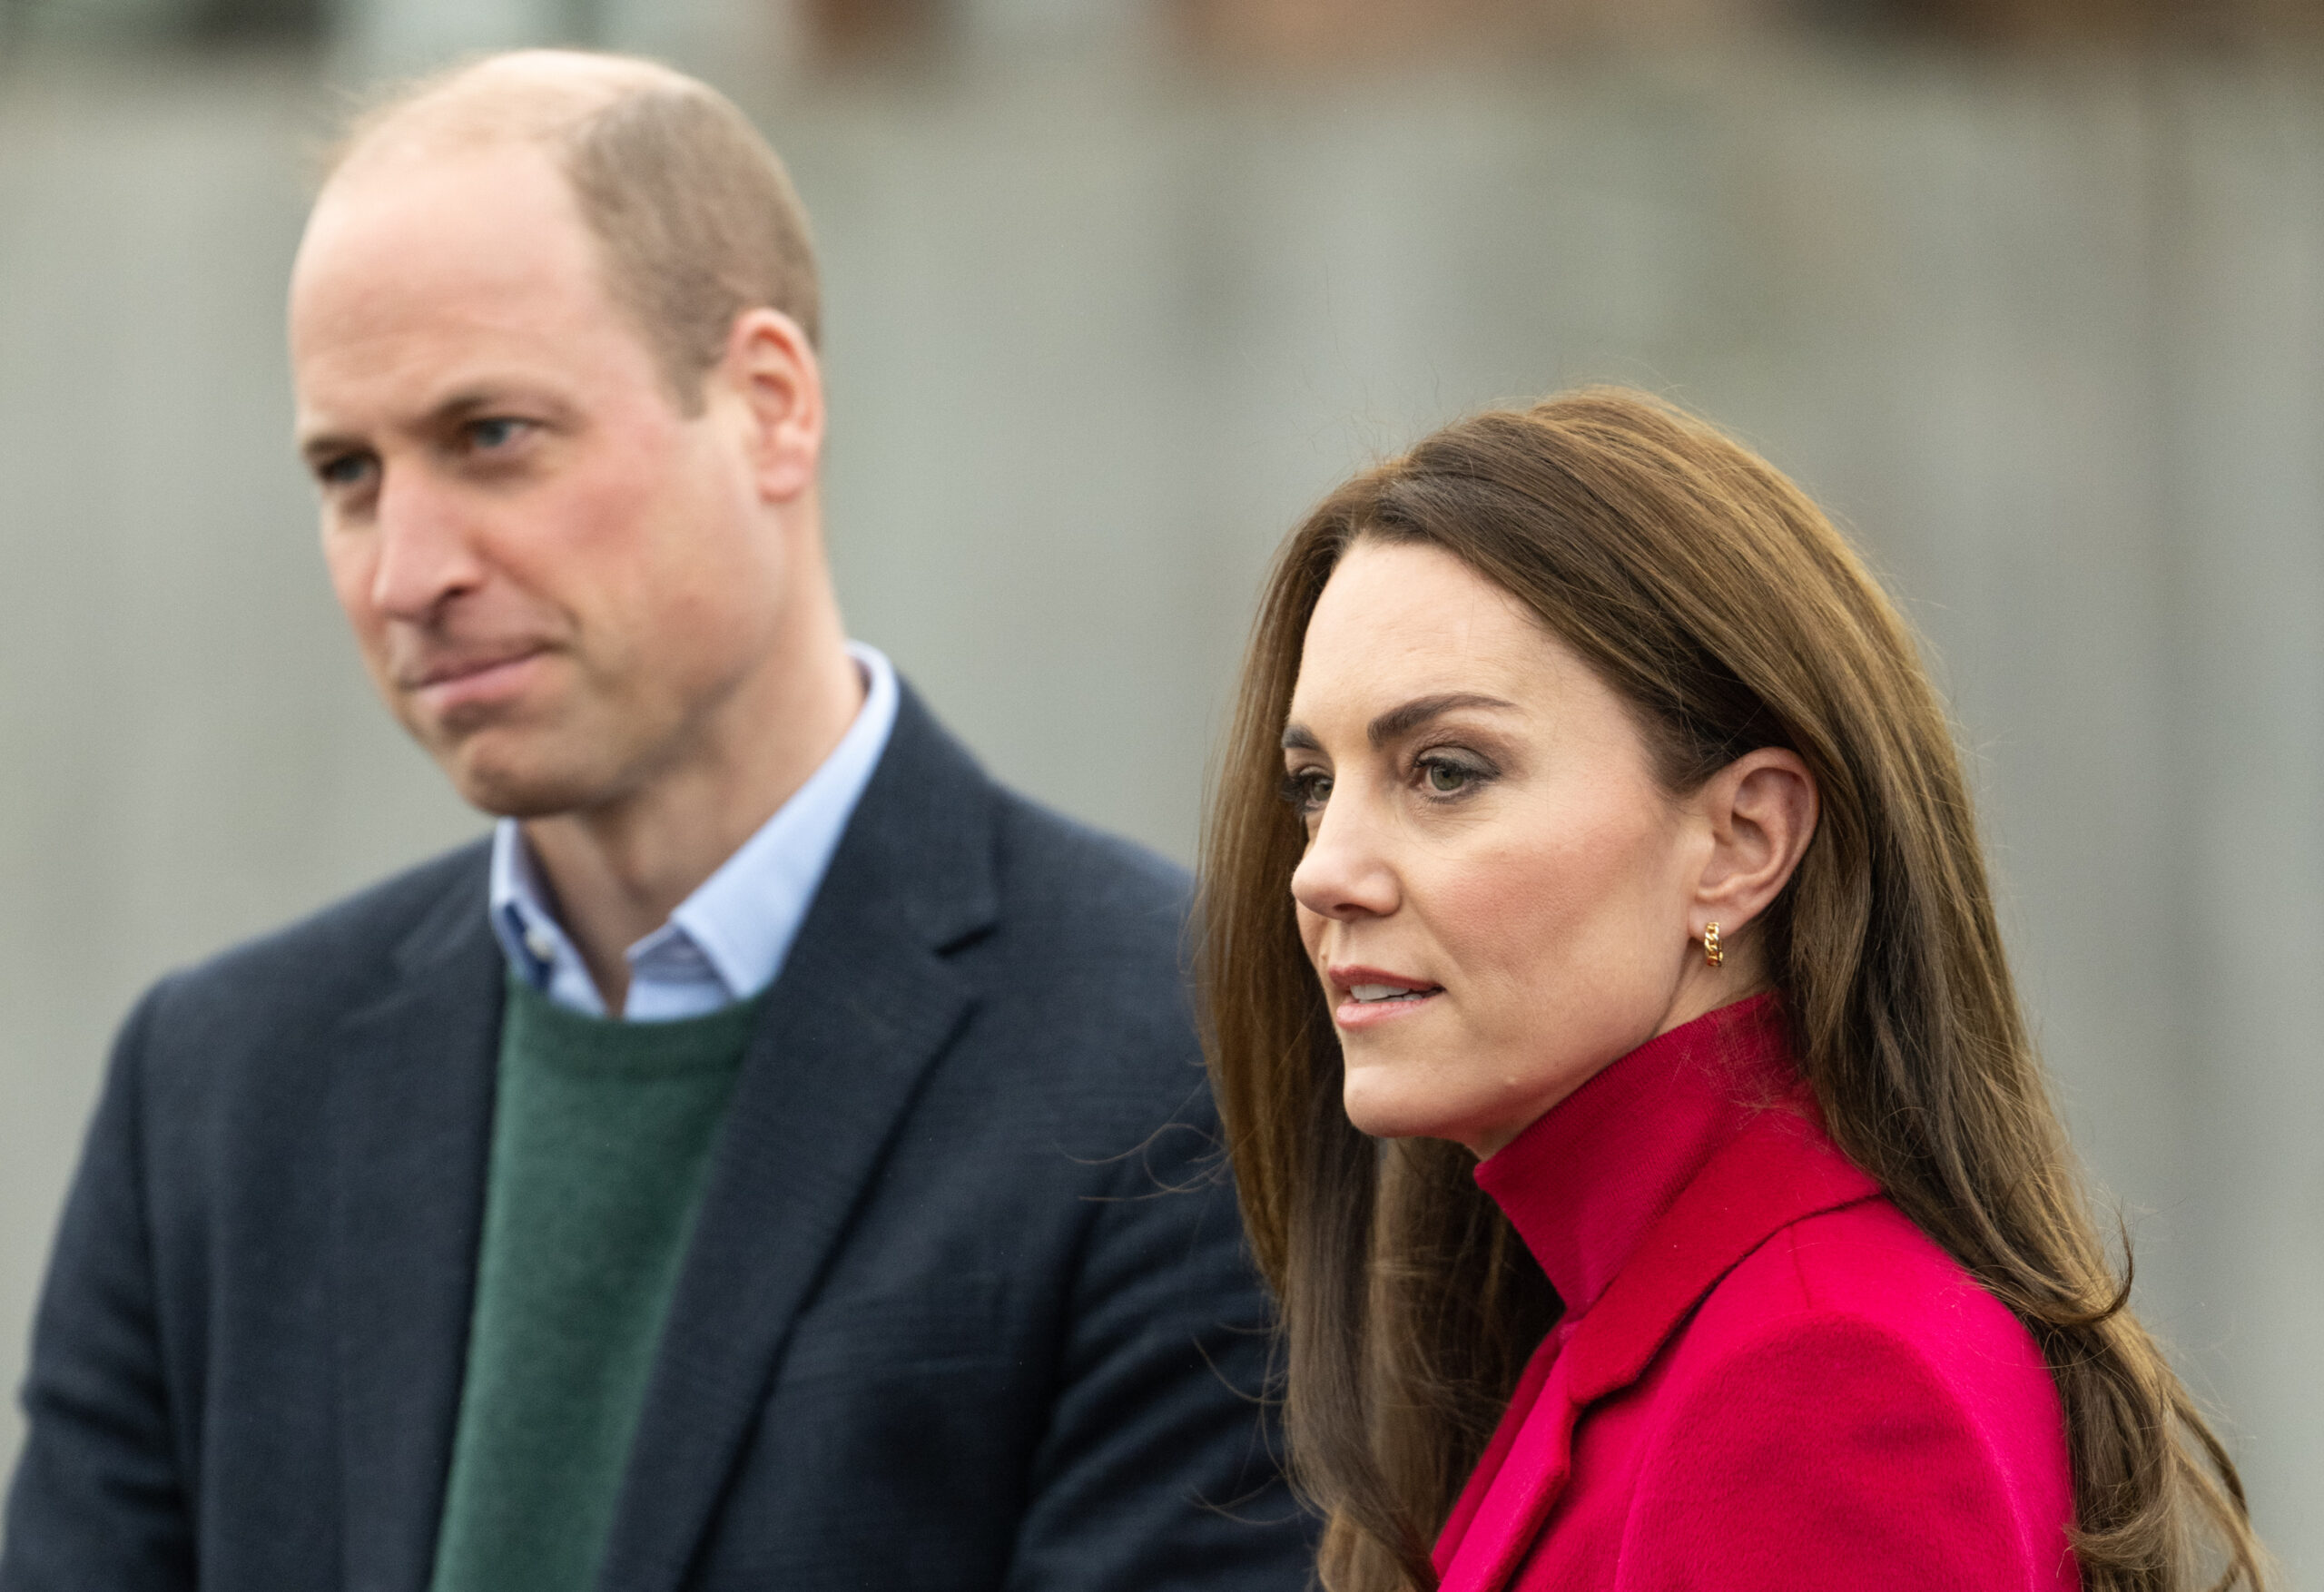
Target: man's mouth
[448,671]
[457,690]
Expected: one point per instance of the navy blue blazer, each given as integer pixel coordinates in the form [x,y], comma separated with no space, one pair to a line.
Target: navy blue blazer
[966,1304]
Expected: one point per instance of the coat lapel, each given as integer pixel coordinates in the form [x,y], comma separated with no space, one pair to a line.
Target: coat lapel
[411,1115]
[1776,1172]
[864,1005]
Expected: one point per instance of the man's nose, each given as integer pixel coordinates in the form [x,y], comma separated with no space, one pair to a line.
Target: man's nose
[428,552]
[1346,872]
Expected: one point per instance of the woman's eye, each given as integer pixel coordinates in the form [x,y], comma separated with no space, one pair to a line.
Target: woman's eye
[1307,791]
[1447,778]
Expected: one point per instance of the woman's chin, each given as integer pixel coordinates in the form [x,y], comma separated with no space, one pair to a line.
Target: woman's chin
[1391,1104]
[1390,1110]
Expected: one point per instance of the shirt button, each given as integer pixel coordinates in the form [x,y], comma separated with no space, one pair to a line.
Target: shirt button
[537,941]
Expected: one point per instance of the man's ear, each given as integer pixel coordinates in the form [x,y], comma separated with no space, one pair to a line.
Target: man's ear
[771,369]
[1761,810]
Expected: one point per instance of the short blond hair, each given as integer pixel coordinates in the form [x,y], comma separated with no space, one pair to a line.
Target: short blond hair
[693,212]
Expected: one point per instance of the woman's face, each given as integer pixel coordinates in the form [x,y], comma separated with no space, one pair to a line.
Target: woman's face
[1497,893]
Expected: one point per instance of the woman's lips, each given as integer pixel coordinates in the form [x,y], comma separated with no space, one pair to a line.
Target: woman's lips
[1370,1013]
[1368,996]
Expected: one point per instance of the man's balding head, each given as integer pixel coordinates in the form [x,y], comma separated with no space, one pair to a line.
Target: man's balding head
[549,332]
[692,215]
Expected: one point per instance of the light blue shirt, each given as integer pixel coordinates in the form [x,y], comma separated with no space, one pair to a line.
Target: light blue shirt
[727,941]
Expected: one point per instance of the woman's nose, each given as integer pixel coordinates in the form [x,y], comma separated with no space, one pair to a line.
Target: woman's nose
[1345,872]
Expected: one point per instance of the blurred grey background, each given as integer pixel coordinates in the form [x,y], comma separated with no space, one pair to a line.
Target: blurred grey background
[2030,292]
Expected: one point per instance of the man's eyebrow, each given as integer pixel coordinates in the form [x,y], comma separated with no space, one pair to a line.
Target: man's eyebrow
[1399,721]
[323,445]
[482,397]
[469,401]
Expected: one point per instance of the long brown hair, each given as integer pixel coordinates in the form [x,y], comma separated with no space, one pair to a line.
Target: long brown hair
[1725,609]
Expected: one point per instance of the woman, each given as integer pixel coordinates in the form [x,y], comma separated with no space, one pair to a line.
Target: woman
[1630,1100]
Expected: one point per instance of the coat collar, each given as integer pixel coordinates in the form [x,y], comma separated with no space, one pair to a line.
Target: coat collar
[1583,1182]
[866,1002]
[1641,1224]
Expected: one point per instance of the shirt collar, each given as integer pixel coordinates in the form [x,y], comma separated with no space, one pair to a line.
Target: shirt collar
[728,940]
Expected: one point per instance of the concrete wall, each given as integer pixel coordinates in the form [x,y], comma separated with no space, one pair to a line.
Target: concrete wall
[2052,339]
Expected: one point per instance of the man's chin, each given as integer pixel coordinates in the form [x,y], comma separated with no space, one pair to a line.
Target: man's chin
[517,788]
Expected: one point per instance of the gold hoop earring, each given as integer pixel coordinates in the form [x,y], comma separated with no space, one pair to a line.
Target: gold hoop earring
[1712,954]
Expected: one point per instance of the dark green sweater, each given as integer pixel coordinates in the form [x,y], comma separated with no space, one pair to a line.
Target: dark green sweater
[601,1136]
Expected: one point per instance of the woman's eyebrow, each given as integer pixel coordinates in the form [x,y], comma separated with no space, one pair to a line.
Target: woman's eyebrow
[1403,721]
[1299,738]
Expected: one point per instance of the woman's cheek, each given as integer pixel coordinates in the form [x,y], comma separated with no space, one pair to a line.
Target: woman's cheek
[1514,913]
[1548,939]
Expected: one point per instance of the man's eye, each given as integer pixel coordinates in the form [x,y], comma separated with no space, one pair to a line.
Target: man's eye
[486,436]
[349,469]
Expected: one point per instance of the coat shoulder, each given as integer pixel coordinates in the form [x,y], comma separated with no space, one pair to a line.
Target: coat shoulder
[1869,1268]
[1849,1385]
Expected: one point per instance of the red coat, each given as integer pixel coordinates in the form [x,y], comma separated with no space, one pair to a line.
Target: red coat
[1766,1376]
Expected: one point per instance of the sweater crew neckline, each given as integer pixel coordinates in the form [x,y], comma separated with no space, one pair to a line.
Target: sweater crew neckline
[583,1042]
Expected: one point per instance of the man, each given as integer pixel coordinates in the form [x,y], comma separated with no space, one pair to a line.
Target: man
[778,1159]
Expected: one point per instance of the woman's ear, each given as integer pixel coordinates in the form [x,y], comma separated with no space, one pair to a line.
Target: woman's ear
[1761,811]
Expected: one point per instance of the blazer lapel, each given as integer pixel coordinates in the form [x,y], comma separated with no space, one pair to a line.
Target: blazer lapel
[1776,1172]
[864,1005]
[411,1116]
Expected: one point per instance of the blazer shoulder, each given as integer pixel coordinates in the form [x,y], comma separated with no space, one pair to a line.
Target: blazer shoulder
[1085,978]
[333,957]
[1057,870]
[963,854]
